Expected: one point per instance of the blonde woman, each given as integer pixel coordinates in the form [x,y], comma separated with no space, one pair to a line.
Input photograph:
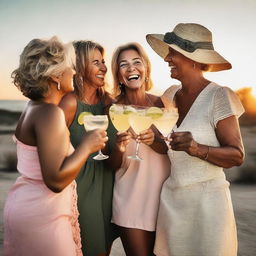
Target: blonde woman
[40,215]
[196,215]
[96,179]
[138,183]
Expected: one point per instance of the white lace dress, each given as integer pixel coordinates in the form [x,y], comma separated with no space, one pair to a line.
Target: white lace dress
[196,215]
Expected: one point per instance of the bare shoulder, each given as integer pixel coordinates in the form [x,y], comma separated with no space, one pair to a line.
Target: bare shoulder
[156,100]
[69,105]
[69,101]
[49,114]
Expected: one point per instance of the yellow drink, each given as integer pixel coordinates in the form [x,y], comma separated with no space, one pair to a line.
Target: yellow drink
[139,122]
[120,121]
[166,122]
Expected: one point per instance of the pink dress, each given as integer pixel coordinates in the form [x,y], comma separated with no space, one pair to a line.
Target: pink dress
[137,188]
[38,221]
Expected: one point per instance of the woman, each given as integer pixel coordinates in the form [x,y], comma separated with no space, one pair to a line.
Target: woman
[40,215]
[196,215]
[95,181]
[138,183]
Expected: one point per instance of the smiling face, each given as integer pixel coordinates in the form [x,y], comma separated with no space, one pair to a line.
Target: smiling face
[179,64]
[131,69]
[97,70]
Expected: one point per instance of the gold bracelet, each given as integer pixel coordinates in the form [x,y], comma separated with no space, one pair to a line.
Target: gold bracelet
[207,153]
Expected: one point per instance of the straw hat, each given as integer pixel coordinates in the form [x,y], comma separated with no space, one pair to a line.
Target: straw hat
[193,41]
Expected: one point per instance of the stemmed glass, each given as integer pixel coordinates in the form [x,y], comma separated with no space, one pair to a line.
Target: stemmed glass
[92,122]
[119,115]
[166,122]
[139,122]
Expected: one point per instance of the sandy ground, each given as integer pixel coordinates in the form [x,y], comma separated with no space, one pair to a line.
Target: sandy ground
[243,197]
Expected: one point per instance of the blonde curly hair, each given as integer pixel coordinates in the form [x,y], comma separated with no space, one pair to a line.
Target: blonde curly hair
[40,60]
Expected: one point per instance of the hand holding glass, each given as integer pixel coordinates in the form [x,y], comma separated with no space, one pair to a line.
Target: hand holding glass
[92,122]
[139,122]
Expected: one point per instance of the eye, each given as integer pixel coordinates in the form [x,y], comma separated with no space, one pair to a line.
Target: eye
[137,62]
[123,65]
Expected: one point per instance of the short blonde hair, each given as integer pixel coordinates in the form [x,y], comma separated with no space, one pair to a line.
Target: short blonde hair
[40,60]
[115,66]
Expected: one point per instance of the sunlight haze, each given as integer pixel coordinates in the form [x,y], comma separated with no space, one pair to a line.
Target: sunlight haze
[112,23]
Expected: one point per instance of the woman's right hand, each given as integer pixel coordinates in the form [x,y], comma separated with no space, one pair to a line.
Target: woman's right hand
[95,140]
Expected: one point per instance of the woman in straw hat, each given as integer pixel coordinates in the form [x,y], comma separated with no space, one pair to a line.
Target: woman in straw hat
[196,215]
[138,183]
[96,179]
[40,215]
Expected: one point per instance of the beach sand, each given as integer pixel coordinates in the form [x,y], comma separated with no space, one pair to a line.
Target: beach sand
[243,197]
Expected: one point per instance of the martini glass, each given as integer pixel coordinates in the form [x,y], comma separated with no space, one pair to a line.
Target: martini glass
[139,122]
[92,122]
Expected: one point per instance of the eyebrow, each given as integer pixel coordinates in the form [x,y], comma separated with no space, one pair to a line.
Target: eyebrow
[137,58]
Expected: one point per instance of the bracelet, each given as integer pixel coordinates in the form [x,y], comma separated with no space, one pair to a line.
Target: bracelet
[207,153]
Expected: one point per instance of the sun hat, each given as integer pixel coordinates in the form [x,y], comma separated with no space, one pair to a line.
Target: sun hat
[192,40]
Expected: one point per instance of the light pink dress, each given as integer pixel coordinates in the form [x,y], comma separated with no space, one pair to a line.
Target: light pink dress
[137,188]
[38,221]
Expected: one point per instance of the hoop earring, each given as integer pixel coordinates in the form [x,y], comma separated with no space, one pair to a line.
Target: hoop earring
[58,86]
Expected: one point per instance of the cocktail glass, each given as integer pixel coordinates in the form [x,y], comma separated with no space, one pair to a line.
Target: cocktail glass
[139,122]
[92,122]
[119,115]
[166,122]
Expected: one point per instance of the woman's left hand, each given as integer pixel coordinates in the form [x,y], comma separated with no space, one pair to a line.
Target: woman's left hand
[147,137]
[183,141]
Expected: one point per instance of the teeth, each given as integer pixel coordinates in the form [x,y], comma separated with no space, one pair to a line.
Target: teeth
[100,76]
[133,77]
[172,67]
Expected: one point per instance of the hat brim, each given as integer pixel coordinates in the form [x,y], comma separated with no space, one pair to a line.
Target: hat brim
[213,59]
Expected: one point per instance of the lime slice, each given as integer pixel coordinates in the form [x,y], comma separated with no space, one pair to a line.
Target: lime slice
[81,116]
[154,112]
[129,109]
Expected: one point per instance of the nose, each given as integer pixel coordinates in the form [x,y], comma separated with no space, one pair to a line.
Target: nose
[103,67]
[130,67]
[168,58]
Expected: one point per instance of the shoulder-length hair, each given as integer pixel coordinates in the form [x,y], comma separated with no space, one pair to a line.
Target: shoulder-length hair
[115,66]
[84,51]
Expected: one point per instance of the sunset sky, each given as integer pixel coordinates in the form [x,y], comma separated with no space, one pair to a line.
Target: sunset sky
[111,23]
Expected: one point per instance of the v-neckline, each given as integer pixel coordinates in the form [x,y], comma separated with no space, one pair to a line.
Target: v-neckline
[193,104]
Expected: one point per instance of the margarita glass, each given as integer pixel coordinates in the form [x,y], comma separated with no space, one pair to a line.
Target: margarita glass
[92,122]
[139,122]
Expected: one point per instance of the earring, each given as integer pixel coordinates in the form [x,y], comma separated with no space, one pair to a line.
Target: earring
[194,65]
[146,79]
[58,86]
[122,88]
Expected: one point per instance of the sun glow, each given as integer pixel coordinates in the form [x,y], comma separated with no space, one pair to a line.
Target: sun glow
[254,91]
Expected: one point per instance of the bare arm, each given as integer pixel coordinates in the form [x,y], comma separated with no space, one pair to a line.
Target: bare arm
[59,168]
[229,154]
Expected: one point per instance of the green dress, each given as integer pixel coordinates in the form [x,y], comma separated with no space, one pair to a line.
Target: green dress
[95,190]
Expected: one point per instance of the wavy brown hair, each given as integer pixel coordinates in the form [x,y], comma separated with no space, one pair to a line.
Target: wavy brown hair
[115,66]
[84,50]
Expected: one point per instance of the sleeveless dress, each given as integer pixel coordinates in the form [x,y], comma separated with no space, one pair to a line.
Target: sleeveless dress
[196,214]
[38,221]
[138,186]
[95,190]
